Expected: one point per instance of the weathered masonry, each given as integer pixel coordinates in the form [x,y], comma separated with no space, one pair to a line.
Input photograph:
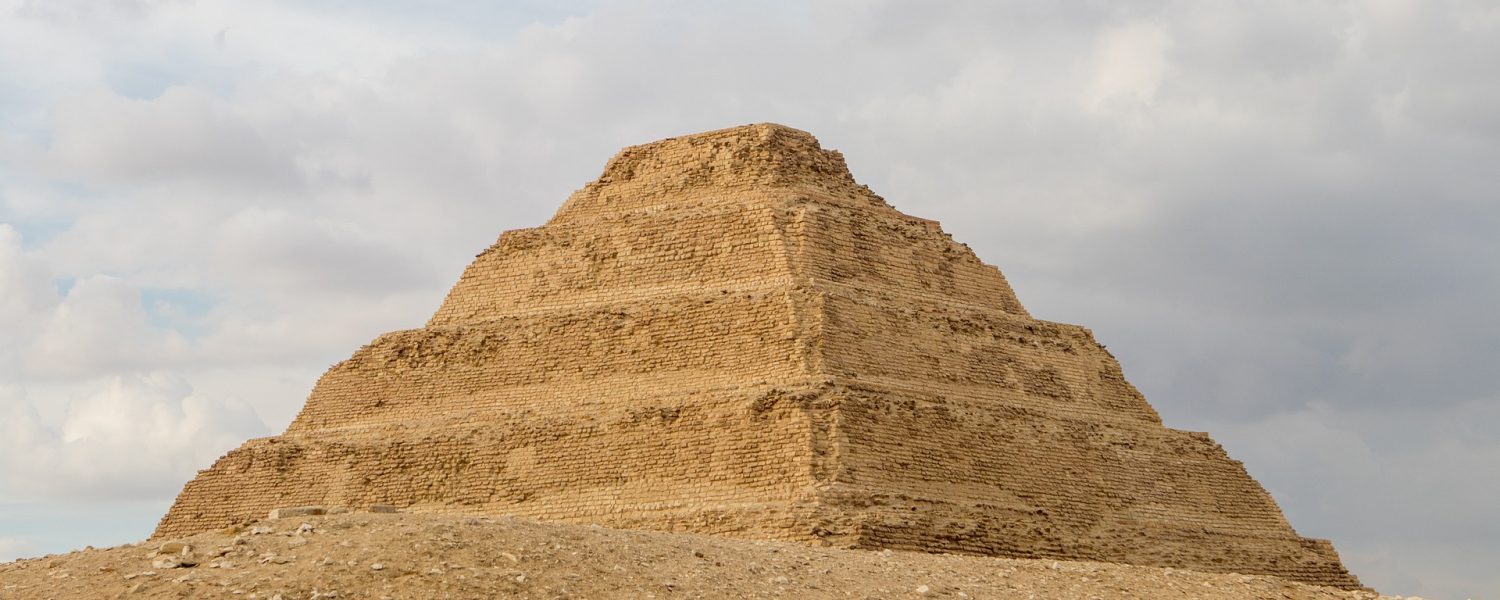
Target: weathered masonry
[726,334]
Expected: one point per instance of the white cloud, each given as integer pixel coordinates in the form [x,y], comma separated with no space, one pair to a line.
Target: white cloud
[101,326]
[132,437]
[1130,63]
[26,292]
[74,10]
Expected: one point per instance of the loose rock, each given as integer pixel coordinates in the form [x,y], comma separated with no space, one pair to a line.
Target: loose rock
[297,511]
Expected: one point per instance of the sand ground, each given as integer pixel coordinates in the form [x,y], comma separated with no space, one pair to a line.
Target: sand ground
[367,555]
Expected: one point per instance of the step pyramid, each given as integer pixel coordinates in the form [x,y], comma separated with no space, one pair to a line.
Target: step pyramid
[726,334]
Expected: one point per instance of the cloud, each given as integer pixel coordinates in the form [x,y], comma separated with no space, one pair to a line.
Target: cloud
[185,133]
[282,250]
[26,291]
[101,325]
[72,10]
[1130,64]
[133,437]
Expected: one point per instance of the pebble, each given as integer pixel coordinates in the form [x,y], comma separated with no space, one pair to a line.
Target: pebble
[173,562]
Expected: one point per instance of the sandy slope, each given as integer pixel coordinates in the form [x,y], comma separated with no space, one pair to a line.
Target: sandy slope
[364,555]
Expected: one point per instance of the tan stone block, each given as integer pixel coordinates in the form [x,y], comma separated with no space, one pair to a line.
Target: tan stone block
[296,511]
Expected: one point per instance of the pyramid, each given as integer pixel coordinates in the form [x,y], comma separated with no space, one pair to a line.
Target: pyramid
[726,334]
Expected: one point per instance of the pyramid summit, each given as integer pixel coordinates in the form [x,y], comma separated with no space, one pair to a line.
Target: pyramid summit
[726,334]
[764,156]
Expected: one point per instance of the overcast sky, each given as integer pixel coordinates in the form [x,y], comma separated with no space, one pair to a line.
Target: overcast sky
[1282,217]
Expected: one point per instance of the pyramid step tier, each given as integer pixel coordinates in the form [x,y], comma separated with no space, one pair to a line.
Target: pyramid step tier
[769,237]
[747,336]
[820,459]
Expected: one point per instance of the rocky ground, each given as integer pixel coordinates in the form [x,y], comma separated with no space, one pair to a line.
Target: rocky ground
[368,555]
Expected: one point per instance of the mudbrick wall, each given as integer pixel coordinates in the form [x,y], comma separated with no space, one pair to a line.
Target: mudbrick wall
[726,334]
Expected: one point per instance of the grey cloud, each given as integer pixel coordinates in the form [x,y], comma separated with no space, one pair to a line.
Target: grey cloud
[266,248]
[84,10]
[184,134]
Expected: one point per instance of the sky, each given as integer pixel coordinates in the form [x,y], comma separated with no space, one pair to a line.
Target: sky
[1281,216]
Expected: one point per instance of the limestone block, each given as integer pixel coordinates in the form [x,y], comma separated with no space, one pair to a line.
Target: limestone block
[296,511]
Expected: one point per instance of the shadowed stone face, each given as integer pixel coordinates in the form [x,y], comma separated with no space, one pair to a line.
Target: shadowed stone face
[726,334]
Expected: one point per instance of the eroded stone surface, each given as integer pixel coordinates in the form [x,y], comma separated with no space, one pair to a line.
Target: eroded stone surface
[296,511]
[726,334]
